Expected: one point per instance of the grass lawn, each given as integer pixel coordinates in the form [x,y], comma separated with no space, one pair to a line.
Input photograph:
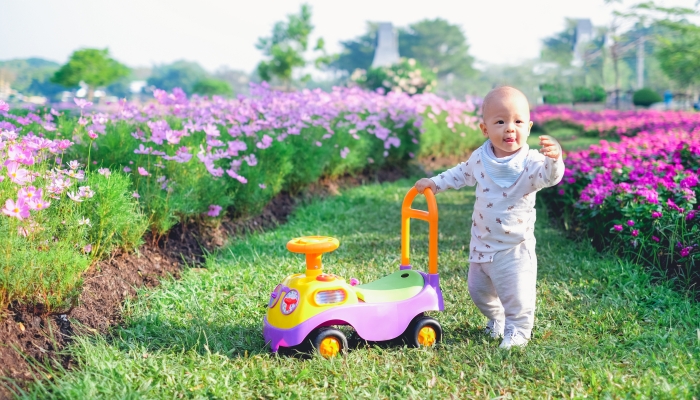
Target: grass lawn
[570,139]
[603,329]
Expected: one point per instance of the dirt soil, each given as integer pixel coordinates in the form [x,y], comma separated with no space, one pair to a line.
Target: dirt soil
[30,338]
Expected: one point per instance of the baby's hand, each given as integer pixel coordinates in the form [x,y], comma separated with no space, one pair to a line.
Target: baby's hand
[425,183]
[550,147]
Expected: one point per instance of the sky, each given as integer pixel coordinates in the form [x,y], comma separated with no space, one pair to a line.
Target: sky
[143,33]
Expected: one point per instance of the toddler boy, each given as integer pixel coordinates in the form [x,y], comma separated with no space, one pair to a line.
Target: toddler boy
[507,174]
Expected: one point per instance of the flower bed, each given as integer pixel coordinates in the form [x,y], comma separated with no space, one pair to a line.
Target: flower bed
[203,157]
[637,196]
[57,218]
[614,123]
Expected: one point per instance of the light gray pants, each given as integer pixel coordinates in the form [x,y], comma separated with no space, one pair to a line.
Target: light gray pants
[504,289]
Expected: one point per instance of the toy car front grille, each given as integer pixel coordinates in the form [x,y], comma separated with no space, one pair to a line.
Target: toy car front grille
[330,296]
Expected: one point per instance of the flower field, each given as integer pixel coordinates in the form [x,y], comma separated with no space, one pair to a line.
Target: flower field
[612,123]
[638,196]
[79,180]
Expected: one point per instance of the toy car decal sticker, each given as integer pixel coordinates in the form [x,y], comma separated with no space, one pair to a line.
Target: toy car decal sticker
[289,302]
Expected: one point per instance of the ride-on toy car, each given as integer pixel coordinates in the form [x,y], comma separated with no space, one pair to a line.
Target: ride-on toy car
[305,307]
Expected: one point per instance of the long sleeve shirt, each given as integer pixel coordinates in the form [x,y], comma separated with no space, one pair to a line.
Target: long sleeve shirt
[502,218]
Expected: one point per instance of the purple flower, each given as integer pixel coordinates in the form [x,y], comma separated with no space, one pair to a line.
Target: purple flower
[630,223]
[618,228]
[654,238]
[691,215]
[214,210]
[127,169]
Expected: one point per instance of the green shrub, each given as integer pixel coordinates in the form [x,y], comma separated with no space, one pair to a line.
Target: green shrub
[645,97]
[440,140]
[408,76]
[581,94]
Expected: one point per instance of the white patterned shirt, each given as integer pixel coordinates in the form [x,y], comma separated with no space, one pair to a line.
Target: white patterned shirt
[502,218]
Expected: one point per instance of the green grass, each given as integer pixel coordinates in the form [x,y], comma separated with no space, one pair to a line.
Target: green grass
[569,138]
[602,328]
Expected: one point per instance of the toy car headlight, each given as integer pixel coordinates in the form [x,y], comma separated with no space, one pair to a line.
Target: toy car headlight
[324,297]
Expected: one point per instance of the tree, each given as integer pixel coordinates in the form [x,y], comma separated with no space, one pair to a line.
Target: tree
[286,47]
[559,48]
[182,74]
[211,86]
[357,53]
[94,67]
[439,46]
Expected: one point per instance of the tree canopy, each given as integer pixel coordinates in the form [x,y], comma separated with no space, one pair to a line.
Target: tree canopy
[436,44]
[94,67]
[286,47]
[439,46]
[182,74]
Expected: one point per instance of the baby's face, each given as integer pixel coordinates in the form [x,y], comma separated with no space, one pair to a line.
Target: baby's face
[507,123]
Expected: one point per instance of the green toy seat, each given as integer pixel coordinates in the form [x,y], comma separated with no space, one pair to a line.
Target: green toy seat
[400,285]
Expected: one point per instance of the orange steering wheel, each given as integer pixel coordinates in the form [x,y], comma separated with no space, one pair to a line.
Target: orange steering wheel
[313,247]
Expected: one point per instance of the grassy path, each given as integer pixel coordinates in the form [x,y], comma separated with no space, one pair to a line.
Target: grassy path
[602,329]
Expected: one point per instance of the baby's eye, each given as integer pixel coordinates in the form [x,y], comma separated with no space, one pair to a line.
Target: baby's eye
[518,122]
[500,122]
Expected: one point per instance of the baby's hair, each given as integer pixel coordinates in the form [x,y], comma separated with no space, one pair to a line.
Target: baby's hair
[498,91]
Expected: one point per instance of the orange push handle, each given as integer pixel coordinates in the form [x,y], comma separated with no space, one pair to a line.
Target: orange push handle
[431,216]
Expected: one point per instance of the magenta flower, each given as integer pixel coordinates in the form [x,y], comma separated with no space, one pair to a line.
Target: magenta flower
[18,209]
[656,214]
[685,251]
[214,210]
[618,228]
[691,215]
[635,233]
[143,171]
[630,223]
[654,238]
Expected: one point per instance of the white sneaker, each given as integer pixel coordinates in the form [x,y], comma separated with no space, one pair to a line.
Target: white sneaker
[513,337]
[494,329]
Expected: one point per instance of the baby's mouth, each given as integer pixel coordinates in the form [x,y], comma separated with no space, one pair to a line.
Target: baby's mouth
[509,140]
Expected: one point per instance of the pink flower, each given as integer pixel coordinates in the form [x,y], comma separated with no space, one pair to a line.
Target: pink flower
[635,233]
[135,195]
[617,227]
[214,210]
[262,186]
[344,153]
[18,175]
[654,238]
[561,192]
[82,103]
[18,209]
[4,107]
[656,214]
[630,223]
[143,172]
[38,204]
[87,248]
[30,193]
[127,169]
[92,134]
[104,171]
